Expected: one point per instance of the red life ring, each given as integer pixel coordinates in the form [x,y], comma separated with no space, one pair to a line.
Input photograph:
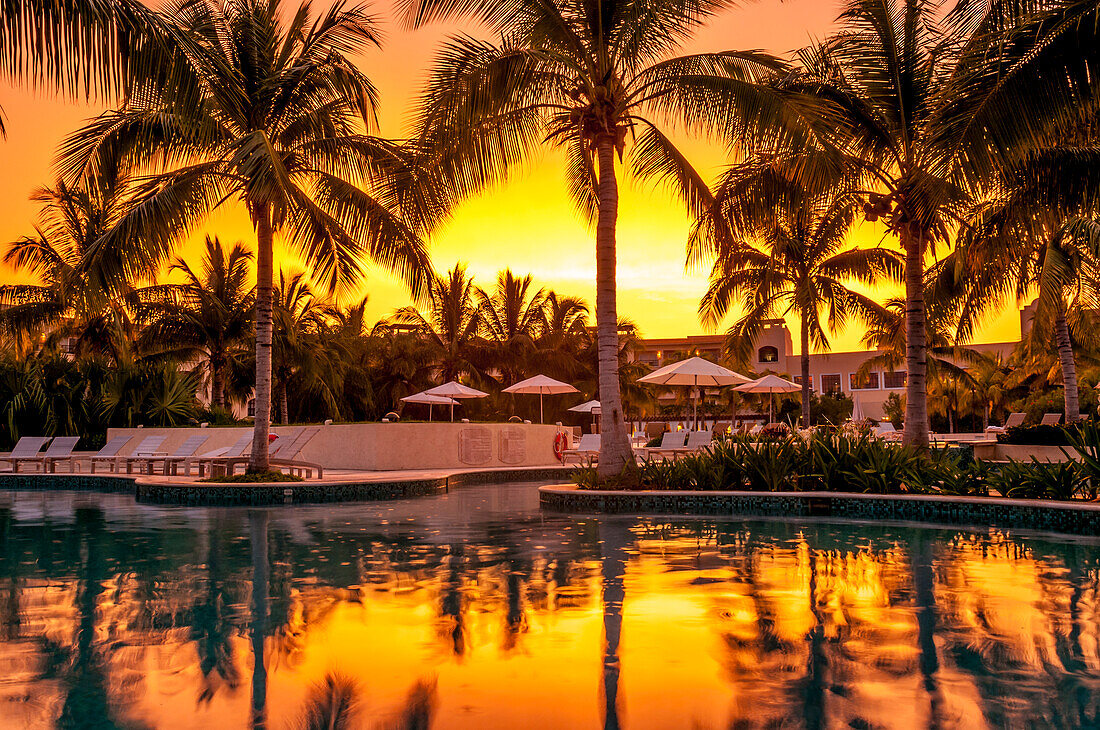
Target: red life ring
[559,446]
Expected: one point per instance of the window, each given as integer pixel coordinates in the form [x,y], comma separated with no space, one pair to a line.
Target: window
[768,354]
[830,383]
[867,382]
[893,380]
[798,379]
[252,407]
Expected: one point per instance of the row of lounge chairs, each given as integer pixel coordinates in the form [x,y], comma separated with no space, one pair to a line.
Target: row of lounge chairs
[673,443]
[149,454]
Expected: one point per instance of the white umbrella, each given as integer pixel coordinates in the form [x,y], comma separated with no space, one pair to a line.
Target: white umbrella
[454,389]
[592,406]
[543,386]
[769,384]
[696,372]
[431,400]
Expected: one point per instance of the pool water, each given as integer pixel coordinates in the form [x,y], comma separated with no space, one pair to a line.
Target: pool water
[475,610]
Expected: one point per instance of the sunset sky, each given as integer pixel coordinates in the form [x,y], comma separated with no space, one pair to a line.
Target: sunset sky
[527,224]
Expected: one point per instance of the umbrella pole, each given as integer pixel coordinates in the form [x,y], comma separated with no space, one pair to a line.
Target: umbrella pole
[429,413]
[541,419]
[452,413]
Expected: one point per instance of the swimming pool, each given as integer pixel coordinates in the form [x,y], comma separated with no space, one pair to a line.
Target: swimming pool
[474,609]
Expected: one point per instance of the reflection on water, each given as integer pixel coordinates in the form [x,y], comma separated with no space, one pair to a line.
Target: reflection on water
[475,610]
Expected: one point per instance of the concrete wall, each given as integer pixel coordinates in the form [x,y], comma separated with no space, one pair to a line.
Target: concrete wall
[395,446]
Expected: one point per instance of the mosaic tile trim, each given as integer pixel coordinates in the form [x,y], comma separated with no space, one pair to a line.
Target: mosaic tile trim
[193,494]
[1047,516]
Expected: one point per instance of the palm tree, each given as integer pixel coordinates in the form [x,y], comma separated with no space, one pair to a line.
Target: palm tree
[512,318]
[210,314]
[589,78]
[1037,235]
[271,114]
[302,349]
[79,46]
[927,103]
[453,322]
[74,300]
[783,251]
[564,336]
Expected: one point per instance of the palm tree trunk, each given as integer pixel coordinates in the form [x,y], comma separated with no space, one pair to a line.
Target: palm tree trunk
[615,451]
[284,406]
[805,343]
[916,354]
[1069,367]
[217,386]
[261,218]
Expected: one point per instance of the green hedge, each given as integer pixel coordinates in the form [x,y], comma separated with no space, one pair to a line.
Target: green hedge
[842,461]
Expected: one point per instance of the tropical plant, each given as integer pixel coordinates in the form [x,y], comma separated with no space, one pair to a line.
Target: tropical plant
[512,317]
[271,113]
[73,303]
[207,316]
[304,355]
[589,78]
[1019,244]
[927,104]
[452,322]
[780,248]
[564,337]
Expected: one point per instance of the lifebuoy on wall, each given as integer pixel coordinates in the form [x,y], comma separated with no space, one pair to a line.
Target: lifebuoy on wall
[559,446]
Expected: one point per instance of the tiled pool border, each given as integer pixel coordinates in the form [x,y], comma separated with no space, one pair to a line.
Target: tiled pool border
[308,492]
[1043,515]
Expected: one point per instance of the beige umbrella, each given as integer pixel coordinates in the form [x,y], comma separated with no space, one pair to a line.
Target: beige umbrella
[454,389]
[770,384]
[592,406]
[696,372]
[431,400]
[542,385]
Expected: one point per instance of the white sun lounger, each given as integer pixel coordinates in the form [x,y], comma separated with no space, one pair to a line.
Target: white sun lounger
[61,449]
[26,451]
[143,454]
[109,453]
[587,447]
[169,463]
[1013,420]
[202,461]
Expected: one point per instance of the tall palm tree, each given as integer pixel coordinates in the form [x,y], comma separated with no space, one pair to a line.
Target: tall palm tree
[452,323]
[273,115]
[512,317]
[303,349]
[1038,234]
[564,337]
[73,300]
[210,314]
[590,78]
[928,100]
[784,252]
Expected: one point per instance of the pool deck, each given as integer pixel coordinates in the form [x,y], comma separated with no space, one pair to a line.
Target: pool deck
[338,485]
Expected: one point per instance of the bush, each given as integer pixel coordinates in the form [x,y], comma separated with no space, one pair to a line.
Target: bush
[846,460]
[1038,435]
[254,478]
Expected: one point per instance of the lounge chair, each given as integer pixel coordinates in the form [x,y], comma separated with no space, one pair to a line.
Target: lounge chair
[671,443]
[755,428]
[887,431]
[61,449]
[587,447]
[284,454]
[722,429]
[1051,419]
[1013,420]
[109,453]
[170,463]
[206,460]
[26,451]
[143,454]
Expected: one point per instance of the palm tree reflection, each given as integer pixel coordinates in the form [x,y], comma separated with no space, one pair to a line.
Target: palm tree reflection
[614,538]
[257,531]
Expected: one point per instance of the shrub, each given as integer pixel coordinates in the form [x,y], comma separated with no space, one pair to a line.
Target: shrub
[1037,435]
[254,478]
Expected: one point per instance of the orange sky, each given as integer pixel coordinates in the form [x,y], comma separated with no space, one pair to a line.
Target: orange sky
[528,224]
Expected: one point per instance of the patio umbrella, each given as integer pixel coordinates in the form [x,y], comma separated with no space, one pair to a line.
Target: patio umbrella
[454,389]
[696,372]
[770,384]
[431,400]
[592,406]
[543,386]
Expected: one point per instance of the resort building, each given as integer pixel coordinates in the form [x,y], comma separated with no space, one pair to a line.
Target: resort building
[830,372]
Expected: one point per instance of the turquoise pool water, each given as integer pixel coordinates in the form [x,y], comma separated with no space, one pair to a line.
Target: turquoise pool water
[475,610]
